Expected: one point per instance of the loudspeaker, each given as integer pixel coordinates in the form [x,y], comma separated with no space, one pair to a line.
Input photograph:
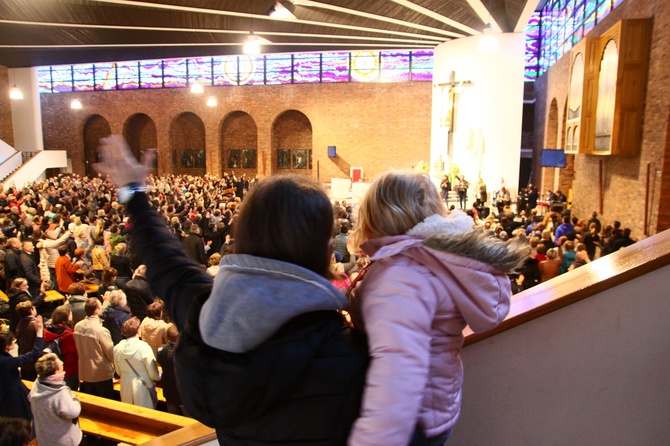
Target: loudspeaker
[332,151]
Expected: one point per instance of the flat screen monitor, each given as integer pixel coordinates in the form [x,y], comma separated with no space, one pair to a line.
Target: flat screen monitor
[553,158]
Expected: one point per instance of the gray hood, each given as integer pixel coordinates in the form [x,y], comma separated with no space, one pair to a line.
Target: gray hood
[253,297]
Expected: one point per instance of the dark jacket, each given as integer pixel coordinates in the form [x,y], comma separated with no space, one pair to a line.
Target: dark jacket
[310,368]
[139,295]
[32,273]
[17,296]
[165,358]
[13,393]
[13,267]
[195,248]
[122,265]
[112,319]
[26,333]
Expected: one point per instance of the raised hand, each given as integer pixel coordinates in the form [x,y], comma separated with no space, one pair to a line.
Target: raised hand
[119,163]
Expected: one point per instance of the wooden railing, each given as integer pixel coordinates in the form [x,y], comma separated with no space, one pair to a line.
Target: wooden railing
[640,258]
[127,423]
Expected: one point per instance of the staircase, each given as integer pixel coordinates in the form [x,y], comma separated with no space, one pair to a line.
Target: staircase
[19,168]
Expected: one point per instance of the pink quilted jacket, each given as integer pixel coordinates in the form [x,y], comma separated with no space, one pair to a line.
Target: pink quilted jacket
[413,303]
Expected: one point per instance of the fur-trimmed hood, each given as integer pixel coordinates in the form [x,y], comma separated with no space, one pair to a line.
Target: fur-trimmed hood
[454,234]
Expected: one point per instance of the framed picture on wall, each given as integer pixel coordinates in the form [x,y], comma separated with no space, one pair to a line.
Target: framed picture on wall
[299,159]
[186,158]
[234,159]
[249,159]
[154,162]
[200,158]
[283,159]
[309,159]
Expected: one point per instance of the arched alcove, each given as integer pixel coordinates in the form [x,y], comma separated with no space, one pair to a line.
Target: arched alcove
[187,145]
[96,127]
[239,145]
[292,143]
[140,132]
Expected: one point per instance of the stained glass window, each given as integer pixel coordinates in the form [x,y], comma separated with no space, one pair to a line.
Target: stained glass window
[174,73]
[200,69]
[62,78]
[151,74]
[422,65]
[83,77]
[589,23]
[306,68]
[252,70]
[361,66]
[394,66]
[225,70]
[365,66]
[278,68]
[44,79]
[128,75]
[531,62]
[604,8]
[105,76]
[335,67]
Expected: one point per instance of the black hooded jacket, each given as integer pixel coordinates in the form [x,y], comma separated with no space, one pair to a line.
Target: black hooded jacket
[302,386]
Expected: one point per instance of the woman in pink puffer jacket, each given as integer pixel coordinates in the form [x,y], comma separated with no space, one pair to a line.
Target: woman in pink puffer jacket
[431,275]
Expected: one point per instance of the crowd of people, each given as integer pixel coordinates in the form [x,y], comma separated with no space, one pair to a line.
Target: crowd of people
[314,305]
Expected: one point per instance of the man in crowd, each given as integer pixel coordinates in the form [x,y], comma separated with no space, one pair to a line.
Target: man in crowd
[139,294]
[96,352]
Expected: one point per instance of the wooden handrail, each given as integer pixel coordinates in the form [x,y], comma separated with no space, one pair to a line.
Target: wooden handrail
[602,274]
[193,435]
[132,424]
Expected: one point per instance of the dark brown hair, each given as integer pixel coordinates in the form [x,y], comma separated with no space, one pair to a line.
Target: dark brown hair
[130,327]
[154,310]
[91,305]
[287,218]
[61,315]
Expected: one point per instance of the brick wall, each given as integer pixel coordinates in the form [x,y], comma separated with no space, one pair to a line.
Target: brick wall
[6,129]
[624,178]
[96,127]
[239,131]
[374,126]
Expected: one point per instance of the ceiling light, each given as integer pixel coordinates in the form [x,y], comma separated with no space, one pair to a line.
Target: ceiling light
[211,101]
[253,45]
[75,104]
[488,43]
[196,87]
[15,93]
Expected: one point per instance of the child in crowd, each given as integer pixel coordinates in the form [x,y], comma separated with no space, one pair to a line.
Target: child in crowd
[54,407]
[430,276]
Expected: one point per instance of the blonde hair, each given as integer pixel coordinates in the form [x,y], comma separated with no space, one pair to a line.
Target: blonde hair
[48,364]
[215,259]
[394,204]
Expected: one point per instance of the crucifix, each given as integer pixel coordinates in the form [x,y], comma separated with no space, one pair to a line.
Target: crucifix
[450,107]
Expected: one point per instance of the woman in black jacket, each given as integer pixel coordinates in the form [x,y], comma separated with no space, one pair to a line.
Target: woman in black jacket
[264,354]
[19,293]
[13,393]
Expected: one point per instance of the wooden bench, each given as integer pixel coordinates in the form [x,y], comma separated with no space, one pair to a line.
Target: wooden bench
[159,390]
[135,425]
